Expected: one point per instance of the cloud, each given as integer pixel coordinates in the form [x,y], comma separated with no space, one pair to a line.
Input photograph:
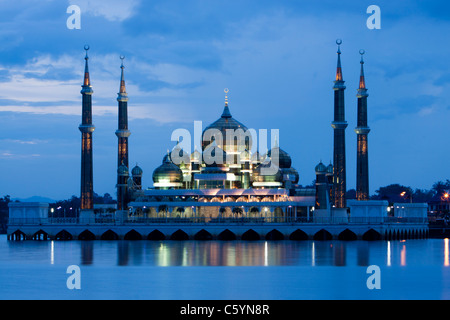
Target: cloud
[162,113]
[48,84]
[9,155]
[30,142]
[112,10]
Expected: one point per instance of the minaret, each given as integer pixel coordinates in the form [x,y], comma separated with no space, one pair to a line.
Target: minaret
[339,124]
[87,128]
[122,132]
[362,130]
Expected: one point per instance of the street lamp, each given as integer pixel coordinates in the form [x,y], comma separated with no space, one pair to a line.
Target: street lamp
[403,194]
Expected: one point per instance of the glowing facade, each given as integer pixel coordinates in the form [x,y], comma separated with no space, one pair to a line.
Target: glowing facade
[224,180]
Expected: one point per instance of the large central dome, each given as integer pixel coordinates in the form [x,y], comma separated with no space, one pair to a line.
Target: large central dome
[217,131]
[226,161]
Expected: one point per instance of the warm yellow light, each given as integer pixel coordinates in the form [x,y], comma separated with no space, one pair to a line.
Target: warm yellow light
[403,193]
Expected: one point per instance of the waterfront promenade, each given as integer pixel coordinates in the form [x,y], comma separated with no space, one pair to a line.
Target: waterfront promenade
[268,228]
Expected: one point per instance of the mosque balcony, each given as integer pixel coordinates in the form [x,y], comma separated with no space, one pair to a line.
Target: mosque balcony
[123,133]
[86,90]
[86,128]
[122,97]
[339,84]
[339,124]
[362,93]
[362,130]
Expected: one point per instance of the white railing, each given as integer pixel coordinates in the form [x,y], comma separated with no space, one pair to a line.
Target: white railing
[217,220]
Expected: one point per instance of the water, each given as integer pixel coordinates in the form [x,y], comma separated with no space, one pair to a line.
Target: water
[192,270]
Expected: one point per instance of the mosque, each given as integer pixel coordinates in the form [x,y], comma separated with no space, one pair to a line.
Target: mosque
[227,189]
[225,179]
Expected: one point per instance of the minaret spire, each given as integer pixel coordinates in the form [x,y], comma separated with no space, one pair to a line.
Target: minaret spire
[122,78]
[87,81]
[339,124]
[226,111]
[339,67]
[362,130]
[362,82]
[87,128]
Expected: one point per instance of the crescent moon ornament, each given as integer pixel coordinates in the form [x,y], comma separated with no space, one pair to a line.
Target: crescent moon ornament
[338,42]
[361,52]
[86,47]
[122,57]
[226,95]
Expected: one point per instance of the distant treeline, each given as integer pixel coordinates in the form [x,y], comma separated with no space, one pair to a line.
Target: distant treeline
[71,207]
[440,191]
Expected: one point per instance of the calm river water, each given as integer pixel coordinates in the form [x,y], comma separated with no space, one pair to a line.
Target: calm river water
[255,270]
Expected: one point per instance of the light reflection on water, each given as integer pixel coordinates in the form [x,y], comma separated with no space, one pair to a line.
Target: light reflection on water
[434,252]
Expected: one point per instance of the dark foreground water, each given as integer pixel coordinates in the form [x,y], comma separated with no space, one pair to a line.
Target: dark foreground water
[412,269]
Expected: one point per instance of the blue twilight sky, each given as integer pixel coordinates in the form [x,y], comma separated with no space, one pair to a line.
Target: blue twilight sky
[278,59]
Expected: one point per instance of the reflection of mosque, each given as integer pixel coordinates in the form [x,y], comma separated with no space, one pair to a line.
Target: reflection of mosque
[218,253]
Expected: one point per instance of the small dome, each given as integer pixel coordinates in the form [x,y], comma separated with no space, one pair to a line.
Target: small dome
[330,169]
[137,171]
[284,159]
[320,168]
[167,172]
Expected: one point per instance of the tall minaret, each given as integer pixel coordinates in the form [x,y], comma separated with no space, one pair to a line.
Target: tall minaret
[339,124]
[87,128]
[122,132]
[362,130]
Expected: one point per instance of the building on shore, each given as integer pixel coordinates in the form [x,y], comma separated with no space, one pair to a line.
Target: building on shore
[225,184]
